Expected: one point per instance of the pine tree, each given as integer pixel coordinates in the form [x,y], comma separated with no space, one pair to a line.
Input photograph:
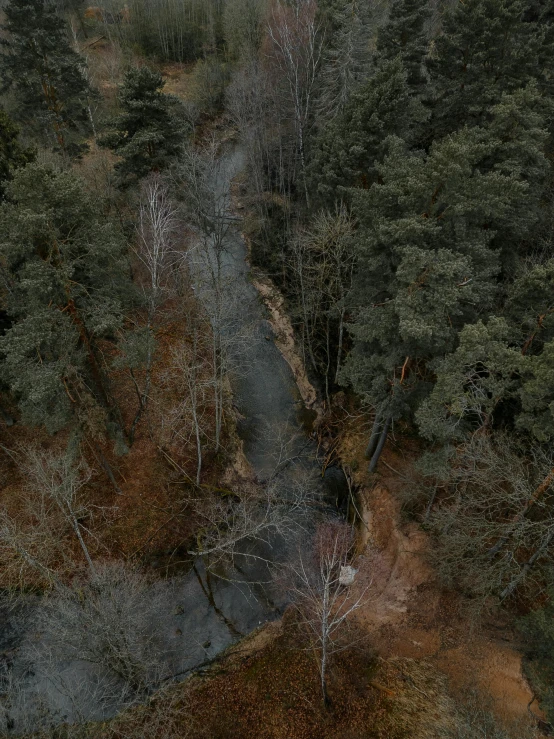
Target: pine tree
[436,232]
[149,132]
[66,286]
[348,150]
[485,49]
[346,59]
[472,383]
[404,36]
[13,154]
[43,70]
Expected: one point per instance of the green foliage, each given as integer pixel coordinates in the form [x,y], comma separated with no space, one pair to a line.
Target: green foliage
[485,49]
[348,150]
[45,73]
[346,58]
[403,35]
[66,285]
[150,129]
[529,306]
[428,253]
[13,154]
[471,382]
[537,395]
[501,372]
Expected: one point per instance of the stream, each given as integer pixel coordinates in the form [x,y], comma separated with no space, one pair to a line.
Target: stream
[196,615]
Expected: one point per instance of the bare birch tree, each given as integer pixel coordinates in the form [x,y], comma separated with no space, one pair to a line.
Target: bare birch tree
[323,596]
[296,48]
[157,250]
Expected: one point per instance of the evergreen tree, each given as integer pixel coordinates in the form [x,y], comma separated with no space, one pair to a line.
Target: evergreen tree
[13,154]
[346,57]
[472,383]
[537,395]
[403,35]
[436,231]
[66,283]
[502,372]
[538,629]
[149,131]
[347,152]
[43,70]
[485,49]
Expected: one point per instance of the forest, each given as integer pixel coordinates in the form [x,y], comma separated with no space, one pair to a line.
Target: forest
[277,369]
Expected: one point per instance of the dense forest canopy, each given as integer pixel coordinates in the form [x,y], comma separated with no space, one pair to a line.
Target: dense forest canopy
[398,189]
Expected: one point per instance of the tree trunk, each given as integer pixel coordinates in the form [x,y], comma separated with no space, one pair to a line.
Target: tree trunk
[380,445]
[374,437]
[522,574]
[77,530]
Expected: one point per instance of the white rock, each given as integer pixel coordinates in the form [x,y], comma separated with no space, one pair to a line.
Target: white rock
[347,575]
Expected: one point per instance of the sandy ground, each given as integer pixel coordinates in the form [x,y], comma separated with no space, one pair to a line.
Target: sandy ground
[409,616]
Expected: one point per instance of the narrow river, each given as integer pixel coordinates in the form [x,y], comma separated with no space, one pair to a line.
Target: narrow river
[198,616]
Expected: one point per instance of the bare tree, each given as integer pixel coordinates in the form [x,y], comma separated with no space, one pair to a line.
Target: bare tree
[322,594]
[158,252]
[28,547]
[248,522]
[296,37]
[491,514]
[323,265]
[252,109]
[107,620]
[60,478]
[189,379]
[206,178]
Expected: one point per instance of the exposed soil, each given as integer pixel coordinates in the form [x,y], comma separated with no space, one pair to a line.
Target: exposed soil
[285,340]
[408,614]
